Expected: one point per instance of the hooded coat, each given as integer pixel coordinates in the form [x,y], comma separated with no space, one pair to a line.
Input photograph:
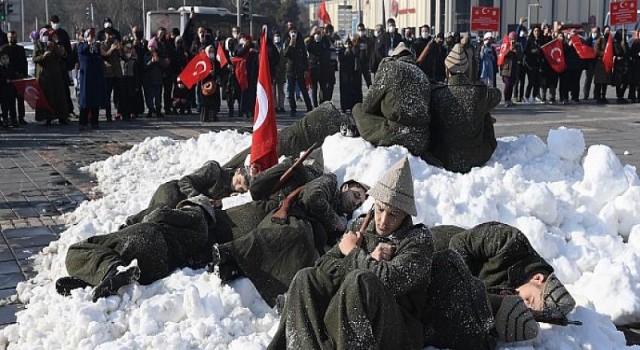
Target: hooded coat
[462,134]
[395,110]
[383,299]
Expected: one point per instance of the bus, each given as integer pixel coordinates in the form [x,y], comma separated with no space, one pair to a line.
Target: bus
[216,18]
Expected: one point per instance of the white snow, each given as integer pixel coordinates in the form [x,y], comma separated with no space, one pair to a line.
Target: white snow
[580,211]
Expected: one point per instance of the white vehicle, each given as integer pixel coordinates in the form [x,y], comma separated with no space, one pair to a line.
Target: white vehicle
[216,18]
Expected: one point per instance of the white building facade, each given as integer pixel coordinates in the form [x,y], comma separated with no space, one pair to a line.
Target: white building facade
[454,15]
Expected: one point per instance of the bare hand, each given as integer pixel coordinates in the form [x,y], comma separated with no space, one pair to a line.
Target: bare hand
[350,240]
[384,251]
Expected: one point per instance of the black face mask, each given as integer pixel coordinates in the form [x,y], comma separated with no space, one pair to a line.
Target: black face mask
[13,42]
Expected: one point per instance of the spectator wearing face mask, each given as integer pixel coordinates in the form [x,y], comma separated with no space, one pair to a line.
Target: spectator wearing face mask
[231,90]
[92,94]
[18,62]
[364,46]
[329,40]
[518,89]
[432,59]
[409,40]
[318,53]
[378,49]
[390,39]
[278,74]
[488,60]
[70,60]
[350,77]
[295,54]
[106,23]
[421,44]
[48,60]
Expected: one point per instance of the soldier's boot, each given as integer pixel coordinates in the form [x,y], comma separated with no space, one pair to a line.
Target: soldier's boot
[114,280]
[514,321]
[228,269]
[65,285]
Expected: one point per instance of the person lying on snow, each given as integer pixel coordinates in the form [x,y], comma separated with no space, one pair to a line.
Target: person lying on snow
[165,240]
[291,237]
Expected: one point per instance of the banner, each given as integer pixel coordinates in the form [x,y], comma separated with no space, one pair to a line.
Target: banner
[485,18]
[554,53]
[197,69]
[264,141]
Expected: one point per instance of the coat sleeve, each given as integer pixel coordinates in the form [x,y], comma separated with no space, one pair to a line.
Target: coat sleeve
[262,186]
[202,179]
[190,218]
[318,196]
[409,268]
[491,240]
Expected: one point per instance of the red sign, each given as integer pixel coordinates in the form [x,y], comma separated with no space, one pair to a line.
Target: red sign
[623,12]
[485,18]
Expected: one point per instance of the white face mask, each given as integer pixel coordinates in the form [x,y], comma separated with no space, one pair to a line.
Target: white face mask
[391,29]
[242,41]
[55,26]
[594,35]
[276,39]
[234,35]
[107,24]
[376,34]
[361,33]
[424,35]
[316,37]
[44,39]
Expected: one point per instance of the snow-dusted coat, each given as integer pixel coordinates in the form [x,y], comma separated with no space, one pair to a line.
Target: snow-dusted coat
[395,110]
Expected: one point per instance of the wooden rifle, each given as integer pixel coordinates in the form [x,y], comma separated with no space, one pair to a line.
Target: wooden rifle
[287,175]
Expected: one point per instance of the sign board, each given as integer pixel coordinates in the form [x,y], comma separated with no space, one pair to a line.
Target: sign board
[623,12]
[485,18]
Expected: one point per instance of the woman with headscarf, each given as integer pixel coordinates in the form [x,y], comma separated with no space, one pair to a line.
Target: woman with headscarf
[509,70]
[48,60]
[209,90]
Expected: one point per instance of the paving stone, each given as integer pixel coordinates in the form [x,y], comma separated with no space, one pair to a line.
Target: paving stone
[24,253]
[8,313]
[7,214]
[27,232]
[19,243]
[10,280]
[26,212]
[5,253]
[8,267]
[5,293]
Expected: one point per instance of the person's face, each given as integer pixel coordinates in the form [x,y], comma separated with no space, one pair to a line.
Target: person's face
[4,60]
[531,292]
[387,218]
[254,170]
[536,32]
[13,38]
[352,197]
[161,34]
[239,182]
[201,33]
[234,32]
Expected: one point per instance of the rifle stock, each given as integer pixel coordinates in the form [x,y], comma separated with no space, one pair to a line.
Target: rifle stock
[287,175]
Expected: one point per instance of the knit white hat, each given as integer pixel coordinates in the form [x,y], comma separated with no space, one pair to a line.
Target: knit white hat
[396,188]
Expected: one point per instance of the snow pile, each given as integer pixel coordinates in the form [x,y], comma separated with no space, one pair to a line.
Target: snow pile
[579,211]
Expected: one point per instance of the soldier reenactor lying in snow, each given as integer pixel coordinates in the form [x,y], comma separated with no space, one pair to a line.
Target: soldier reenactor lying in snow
[211,180]
[292,237]
[366,292]
[166,239]
[489,271]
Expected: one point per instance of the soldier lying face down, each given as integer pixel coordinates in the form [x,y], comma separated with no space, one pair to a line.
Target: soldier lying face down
[365,292]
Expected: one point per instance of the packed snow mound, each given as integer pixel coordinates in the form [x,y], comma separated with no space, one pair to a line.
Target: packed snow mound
[579,211]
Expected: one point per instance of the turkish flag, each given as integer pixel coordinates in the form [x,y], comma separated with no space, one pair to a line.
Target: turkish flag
[554,53]
[240,68]
[198,69]
[221,56]
[504,50]
[264,143]
[31,92]
[607,59]
[323,14]
[585,52]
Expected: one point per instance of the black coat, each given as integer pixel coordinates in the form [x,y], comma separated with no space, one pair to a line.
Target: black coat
[17,57]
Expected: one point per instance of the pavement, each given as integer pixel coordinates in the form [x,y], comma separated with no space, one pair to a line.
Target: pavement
[41,178]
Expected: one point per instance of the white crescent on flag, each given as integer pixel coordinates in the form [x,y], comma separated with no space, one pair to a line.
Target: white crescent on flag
[623,4]
[31,93]
[263,107]
[485,10]
[204,68]
[556,49]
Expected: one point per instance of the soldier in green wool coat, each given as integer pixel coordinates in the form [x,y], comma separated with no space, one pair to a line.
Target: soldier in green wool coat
[276,249]
[367,291]
[462,134]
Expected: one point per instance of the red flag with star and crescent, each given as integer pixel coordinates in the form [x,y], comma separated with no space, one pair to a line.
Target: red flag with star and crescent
[197,69]
[554,53]
[585,51]
[31,92]
[264,142]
